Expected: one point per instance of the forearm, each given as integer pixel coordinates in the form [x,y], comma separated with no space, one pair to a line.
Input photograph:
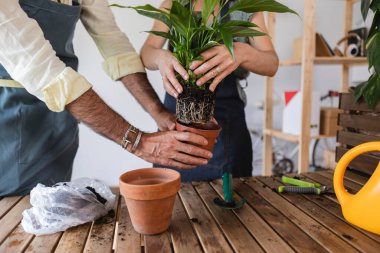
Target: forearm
[139,86]
[91,110]
[257,61]
[150,56]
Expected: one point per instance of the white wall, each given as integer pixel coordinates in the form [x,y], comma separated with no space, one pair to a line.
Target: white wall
[102,159]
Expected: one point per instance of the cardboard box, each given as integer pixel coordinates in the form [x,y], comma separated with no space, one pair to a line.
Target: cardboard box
[329,121]
[291,120]
[322,48]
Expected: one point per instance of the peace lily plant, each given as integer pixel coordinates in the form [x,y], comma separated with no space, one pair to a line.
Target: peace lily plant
[370,89]
[191,33]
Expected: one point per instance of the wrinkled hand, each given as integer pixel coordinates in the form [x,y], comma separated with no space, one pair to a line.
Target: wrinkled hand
[168,66]
[169,149]
[165,120]
[217,64]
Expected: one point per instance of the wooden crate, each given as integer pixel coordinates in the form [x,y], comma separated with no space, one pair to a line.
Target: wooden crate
[359,124]
[329,121]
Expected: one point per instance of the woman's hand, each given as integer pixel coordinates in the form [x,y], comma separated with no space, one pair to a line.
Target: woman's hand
[217,64]
[170,149]
[168,66]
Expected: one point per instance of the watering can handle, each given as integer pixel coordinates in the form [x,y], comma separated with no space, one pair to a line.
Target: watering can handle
[342,165]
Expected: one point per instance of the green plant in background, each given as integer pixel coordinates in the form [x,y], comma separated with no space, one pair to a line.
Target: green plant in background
[370,89]
[191,33]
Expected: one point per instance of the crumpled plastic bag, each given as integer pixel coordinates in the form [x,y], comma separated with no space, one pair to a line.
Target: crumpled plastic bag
[65,205]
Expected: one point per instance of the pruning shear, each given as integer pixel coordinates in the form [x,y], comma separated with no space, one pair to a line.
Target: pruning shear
[300,186]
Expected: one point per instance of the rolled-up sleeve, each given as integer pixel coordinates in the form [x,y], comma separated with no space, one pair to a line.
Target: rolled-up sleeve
[120,58]
[30,60]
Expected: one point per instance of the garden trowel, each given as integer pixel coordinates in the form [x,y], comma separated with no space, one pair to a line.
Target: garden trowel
[228,202]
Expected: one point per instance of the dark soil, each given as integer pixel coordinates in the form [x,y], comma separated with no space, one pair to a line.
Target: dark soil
[195,106]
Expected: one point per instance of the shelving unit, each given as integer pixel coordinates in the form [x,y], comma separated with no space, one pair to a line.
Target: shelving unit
[307,61]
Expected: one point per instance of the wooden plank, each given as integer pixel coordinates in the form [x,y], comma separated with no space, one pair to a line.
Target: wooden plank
[44,243]
[319,233]
[269,240]
[211,238]
[347,102]
[128,240]
[73,239]
[102,232]
[182,234]
[354,177]
[308,54]
[236,233]
[328,60]
[364,122]
[346,232]
[157,243]
[353,139]
[364,163]
[17,241]
[13,218]
[294,236]
[347,26]
[7,203]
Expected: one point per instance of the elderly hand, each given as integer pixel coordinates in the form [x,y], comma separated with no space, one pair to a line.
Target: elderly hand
[168,66]
[165,120]
[217,64]
[173,149]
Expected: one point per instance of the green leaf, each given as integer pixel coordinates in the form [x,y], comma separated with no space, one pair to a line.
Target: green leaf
[365,8]
[373,44]
[375,5]
[359,91]
[228,40]
[371,91]
[181,18]
[149,11]
[239,31]
[162,34]
[238,23]
[251,6]
[209,45]
[208,7]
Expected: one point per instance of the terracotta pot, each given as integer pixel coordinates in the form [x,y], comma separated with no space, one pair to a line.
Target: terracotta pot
[149,195]
[208,130]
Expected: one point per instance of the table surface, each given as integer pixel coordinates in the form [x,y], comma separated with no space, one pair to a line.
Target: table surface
[270,222]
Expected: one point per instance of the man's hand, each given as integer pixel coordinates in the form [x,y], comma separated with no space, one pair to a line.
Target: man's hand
[170,149]
[165,120]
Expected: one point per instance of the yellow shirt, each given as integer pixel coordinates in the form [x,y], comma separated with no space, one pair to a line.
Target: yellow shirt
[30,59]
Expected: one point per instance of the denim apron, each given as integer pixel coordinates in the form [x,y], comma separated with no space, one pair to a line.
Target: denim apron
[36,144]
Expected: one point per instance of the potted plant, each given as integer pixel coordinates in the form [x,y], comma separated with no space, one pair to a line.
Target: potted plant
[370,89]
[190,34]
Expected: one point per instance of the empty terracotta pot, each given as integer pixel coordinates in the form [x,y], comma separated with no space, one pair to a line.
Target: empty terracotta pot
[149,195]
[208,130]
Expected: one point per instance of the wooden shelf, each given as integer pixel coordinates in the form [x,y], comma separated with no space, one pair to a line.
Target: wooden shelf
[291,137]
[329,61]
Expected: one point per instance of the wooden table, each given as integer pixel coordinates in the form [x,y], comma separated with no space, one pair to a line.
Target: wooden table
[270,222]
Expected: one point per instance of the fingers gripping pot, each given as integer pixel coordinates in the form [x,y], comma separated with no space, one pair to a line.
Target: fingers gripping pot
[149,195]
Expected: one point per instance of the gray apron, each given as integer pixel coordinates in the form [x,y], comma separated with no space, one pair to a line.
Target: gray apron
[36,144]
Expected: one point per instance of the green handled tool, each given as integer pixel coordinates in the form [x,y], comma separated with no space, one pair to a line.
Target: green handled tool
[300,186]
[228,202]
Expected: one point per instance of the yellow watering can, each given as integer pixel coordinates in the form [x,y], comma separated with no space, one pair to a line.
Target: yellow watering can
[363,208]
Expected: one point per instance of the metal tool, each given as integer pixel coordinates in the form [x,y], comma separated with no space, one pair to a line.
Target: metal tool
[228,202]
[300,186]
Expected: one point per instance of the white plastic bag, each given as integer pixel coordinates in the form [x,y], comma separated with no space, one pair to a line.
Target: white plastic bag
[65,205]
